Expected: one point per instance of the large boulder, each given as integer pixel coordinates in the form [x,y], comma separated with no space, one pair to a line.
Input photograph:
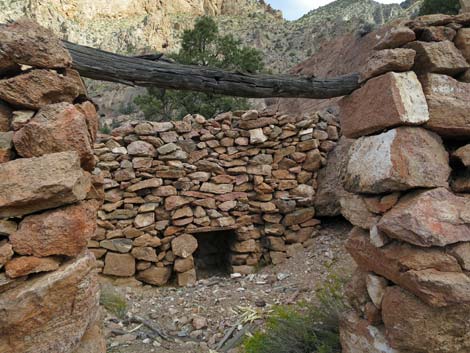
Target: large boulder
[386,101]
[330,181]
[62,231]
[51,312]
[433,275]
[413,326]
[430,218]
[38,88]
[438,57]
[56,128]
[449,106]
[387,60]
[399,159]
[41,183]
[26,43]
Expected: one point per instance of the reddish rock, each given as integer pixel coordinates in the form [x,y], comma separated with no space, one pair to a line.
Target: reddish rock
[145,254]
[463,155]
[438,57]
[56,128]
[25,265]
[38,88]
[184,265]
[430,218]
[93,340]
[121,265]
[89,111]
[6,253]
[40,183]
[355,210]
[5,117]
[157,276]
[387,60]
[62,231]
[300,216]
[184,245]
[462,41]
[386,101]
[437,34]
[413,326]
[432,275]
[173,202]
[395,37]
[62,304]
[6,146]
[24,42]
[399,159]
[449,106]
[187,278]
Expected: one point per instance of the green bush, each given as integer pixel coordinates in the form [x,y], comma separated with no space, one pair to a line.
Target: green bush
[449,7]
[203,46]
[303,328]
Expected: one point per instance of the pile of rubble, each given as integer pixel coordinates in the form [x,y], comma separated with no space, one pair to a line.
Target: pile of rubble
[49,293]
[412,235]
[244,178]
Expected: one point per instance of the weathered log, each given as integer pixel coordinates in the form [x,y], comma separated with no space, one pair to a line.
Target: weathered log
[101,65]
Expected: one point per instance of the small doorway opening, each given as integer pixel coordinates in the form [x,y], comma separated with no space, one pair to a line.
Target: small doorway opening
[213,253]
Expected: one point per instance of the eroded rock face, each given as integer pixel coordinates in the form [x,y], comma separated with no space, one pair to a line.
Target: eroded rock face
[40,183]
[431,218]
[51,312]
[384,102]
[62,231]
[37,88]
[449,106]
[399,159]
[56,128]
[413,326]
[387,60]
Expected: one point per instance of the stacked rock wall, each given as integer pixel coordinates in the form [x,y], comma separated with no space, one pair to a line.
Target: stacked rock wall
[406,181]
[49,293]
[167,183]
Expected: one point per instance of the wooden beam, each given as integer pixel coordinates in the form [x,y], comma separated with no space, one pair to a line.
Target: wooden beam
[105,66]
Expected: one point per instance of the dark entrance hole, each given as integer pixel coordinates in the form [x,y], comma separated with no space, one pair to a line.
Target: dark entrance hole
[213,253]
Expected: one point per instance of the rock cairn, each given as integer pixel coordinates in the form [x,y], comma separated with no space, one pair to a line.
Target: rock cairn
[166,182]
[408,200]
[49,293]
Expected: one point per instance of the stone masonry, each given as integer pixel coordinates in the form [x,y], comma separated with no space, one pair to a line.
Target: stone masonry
[167,182]
[49,292]
[405,185]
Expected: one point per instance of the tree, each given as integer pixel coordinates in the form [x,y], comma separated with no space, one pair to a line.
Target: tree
[203,46]
[449,7]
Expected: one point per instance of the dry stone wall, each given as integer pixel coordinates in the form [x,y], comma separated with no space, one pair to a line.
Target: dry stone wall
[404,185]
[49,292]
[167,183]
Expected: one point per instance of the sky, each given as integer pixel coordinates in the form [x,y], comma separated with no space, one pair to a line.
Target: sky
[294,9]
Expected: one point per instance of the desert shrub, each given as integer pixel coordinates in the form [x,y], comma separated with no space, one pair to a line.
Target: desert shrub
[202,46]
[113,302]
[449,7]
[305,327]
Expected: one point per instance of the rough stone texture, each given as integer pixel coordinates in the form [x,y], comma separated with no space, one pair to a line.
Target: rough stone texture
[25,265]
[358,336]
[430,218]
[354,209]
[465,4]
[92,341]
[384,102]
[56,128]
[158,276]
[184,245]
[40,183]
[449,106]
[462,41]
[432,275]
[413,326]
[6,146]
[330,180]
[395,37]
[387,60]
[463,155]
[121,265]
[71,293]
[438,57]
[5,117]
[400,159]
[38,88]
[26,43]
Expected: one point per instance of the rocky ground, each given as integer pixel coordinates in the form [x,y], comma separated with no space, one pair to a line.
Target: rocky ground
[196,318]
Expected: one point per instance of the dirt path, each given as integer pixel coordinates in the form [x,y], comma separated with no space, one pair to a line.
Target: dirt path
[197,317]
